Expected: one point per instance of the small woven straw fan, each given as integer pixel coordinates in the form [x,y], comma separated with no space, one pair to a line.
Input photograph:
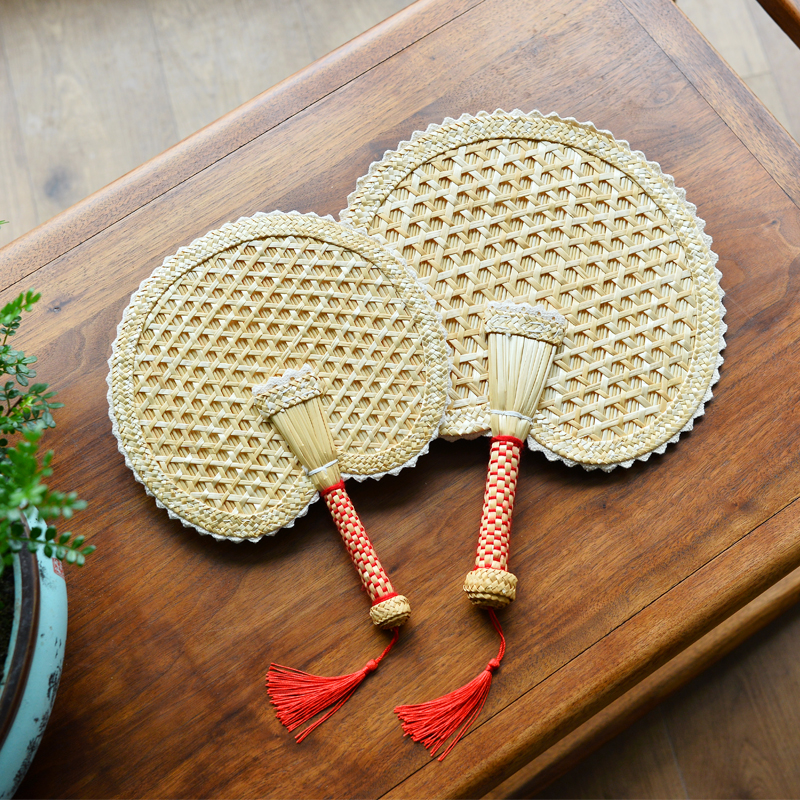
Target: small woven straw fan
[582,307]
[255,369]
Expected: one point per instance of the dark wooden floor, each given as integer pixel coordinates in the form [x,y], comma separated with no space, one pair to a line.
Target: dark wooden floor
[89,89]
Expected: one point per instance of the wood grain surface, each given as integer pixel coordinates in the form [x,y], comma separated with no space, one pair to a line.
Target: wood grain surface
[196,60]
[93,88]
[735,693]
[783,60]
[631,767]
[17,193]
[732,730]
[647,768]
[170,632]
[221,138]
[58,45]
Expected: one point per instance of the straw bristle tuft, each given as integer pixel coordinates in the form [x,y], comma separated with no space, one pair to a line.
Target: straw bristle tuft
[522,341]
[292,404]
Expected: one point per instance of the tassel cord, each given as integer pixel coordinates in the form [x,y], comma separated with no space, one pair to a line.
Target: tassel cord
[496,622]
[434,722]
[298,696]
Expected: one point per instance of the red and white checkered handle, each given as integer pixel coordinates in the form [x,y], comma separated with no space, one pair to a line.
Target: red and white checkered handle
[490,583]
[498,503]
[389,609]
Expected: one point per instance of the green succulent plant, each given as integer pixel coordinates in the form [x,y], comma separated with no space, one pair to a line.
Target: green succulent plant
[25,412]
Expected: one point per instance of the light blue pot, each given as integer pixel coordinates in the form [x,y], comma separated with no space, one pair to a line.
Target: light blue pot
[33,666]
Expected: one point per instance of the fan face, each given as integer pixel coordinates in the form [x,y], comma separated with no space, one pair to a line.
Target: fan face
[245,303]
[555,213]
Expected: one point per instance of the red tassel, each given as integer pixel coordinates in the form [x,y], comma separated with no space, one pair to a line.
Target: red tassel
[299,696]
[434,722]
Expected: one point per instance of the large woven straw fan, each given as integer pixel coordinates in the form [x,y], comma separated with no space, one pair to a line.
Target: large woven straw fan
[582,307]
[255,369]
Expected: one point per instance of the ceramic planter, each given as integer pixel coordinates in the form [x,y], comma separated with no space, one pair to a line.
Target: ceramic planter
[33,666]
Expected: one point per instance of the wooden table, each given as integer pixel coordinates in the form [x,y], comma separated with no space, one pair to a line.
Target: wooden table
[170,632]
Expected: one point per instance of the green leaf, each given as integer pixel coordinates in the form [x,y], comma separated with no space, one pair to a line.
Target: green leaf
[26,411]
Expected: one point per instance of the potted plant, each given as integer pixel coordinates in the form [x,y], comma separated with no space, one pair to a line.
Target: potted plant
[33,597]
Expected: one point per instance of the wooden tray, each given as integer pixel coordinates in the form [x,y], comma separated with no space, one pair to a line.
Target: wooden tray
[170,633]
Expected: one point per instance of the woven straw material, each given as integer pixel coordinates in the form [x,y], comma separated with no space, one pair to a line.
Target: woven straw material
[521,344]
[498,505]
[521,319]
[491,588]
[550,211]
[391,613]
[292,403]
[358,544]
[282,392]
[240,305]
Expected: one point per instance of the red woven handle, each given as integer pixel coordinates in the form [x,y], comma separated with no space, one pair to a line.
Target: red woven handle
[362,553]
[498,503]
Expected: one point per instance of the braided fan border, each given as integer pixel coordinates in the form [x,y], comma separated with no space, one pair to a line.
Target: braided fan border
[178,504]
[373,188]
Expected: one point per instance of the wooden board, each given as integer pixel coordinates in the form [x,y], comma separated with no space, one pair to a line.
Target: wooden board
[783,57]
[633,758]
[207,71]
[170,633]
[328,22]
[15,179]
[60,49]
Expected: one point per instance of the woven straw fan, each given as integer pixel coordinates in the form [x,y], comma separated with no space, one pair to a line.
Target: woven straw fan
[582,307]
[255,369]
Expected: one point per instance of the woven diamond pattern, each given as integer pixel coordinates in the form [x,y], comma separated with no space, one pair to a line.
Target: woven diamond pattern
[268,294]
[506,206]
